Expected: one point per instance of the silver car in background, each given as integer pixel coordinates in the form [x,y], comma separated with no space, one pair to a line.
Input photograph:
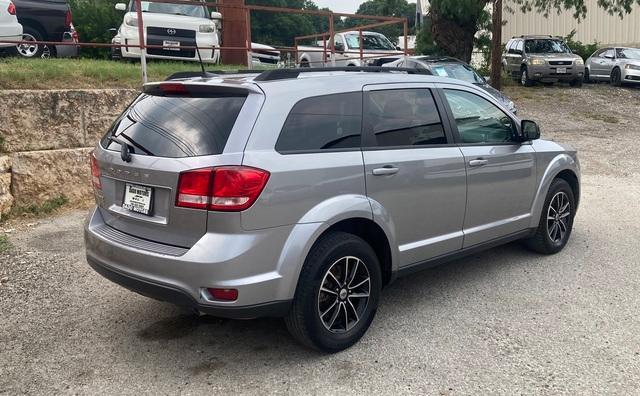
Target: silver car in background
[618,65]
[301,194]
[445,66]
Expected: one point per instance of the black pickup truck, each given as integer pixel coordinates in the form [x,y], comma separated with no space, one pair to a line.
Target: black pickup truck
[46,20]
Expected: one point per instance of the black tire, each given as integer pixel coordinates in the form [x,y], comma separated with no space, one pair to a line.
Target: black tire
[576,83]
[545,240]
[37,50]
[304,63]
[587,76]
[524,77]
[304,319]
[616,77]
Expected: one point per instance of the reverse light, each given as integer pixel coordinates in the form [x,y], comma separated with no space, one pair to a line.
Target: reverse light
[223,294]
[206,28]
[95,172]
[11,9]
[225,188]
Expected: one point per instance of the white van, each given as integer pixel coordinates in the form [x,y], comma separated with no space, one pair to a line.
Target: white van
[172,27]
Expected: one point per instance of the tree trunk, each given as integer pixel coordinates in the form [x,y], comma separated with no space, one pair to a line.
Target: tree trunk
[496,45]
[454,39]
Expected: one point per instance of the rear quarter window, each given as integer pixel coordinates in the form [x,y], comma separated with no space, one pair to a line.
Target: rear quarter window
[176,127]
[330,122]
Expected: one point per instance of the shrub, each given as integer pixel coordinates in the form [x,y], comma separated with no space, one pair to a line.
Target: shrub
[584,50]
[93,19]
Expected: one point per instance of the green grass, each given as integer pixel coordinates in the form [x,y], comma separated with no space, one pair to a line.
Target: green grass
[20,73]
[5,244]
[45,208]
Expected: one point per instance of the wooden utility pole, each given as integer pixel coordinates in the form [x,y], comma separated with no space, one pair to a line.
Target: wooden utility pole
[234,32]
[496,45]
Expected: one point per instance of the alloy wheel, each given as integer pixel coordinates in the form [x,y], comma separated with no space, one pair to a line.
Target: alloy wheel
[29,50]
[344,294]
[558,216]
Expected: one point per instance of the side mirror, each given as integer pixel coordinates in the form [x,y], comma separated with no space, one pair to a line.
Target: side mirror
[530,130]
[112,30]
[609,56]
[216,15]
[398,48]
[121,7]
[339,47]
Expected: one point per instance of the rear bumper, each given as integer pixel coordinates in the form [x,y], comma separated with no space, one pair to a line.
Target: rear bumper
[68,51]
[248,262]
[178,297]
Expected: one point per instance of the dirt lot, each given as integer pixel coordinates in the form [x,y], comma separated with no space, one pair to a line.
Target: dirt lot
[505,321]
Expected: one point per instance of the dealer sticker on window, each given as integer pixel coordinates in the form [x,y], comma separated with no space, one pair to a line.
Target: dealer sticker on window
[137,198]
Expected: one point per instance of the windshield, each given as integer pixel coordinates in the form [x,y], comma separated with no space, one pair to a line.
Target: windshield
[457,71]
[628,53]
[370,41]
[546,46]
[173,9]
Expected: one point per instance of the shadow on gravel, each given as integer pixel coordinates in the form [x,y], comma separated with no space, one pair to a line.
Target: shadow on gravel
[168,333]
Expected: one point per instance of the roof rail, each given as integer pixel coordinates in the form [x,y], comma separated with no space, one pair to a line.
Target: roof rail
[282,74]
[209,74]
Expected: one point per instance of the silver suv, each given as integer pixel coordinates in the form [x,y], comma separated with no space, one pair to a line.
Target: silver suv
[301,194]
[529,59]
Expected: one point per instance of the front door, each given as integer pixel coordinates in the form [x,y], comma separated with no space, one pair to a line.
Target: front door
[501,171]
[415,175]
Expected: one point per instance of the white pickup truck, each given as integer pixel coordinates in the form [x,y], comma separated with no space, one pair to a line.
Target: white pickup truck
[376,51]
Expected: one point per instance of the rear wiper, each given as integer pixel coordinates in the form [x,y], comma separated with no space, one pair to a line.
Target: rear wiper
[125,149]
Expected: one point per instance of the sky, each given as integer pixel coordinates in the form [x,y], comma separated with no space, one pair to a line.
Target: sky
[349,6]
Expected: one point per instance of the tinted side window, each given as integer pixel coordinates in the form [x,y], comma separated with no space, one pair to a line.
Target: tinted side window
[323,123]
[478,120]
[403,117]
[176,127]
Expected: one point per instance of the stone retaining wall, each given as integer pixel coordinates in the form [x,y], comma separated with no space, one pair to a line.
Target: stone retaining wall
[45,139]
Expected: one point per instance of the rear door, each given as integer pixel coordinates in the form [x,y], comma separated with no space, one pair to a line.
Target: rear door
[166,136]
[501,171]
[415,175]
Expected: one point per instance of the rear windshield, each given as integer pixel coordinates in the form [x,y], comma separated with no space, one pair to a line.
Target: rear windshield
[175,127]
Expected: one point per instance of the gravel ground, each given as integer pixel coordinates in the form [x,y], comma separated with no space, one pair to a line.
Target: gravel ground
[504,321]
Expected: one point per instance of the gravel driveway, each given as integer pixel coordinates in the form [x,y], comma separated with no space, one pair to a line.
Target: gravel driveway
[505,321]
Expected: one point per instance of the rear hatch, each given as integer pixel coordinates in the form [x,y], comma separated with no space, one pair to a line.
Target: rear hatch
[169,129]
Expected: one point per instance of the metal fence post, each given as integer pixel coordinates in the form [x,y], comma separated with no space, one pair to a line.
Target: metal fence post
[143,50]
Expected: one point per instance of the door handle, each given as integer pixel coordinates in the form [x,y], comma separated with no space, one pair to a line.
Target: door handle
[478,162]
[385,170]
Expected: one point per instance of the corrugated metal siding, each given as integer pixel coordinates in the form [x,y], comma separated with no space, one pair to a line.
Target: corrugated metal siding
[598,25]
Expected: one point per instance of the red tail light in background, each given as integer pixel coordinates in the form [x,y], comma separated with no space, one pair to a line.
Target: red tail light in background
[11,9]
[68,18]
[225,188]
[95,173]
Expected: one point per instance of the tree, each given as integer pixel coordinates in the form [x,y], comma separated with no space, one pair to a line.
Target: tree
[279,29]
[394,8]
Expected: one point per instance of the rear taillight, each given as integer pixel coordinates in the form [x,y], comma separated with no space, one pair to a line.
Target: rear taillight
[11,9]
[225,188]
[68,18]
[95,173]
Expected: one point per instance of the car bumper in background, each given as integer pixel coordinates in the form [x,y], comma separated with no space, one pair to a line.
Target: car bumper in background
[10,32]
[181,276]
[549,73]
[631,76]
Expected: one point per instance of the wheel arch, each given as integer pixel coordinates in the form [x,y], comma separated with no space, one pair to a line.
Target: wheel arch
[562,166]
[32,23]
